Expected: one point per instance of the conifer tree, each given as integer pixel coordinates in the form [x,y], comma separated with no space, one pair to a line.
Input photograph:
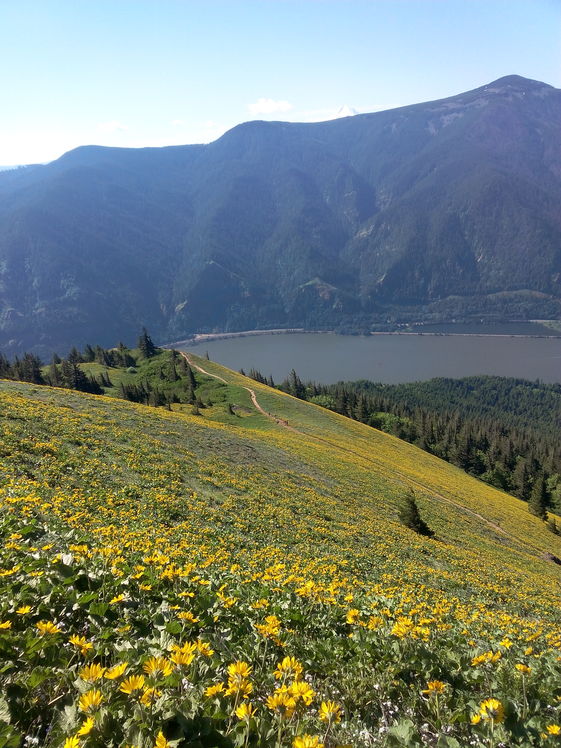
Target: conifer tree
[537,503]
[75,357]
[410,517]
[89,354]
[145,344]
[5,367]
[54,377]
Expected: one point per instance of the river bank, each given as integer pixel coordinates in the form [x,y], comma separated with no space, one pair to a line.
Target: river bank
[199,338]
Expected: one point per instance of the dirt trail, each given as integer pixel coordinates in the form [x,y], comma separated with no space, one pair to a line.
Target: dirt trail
[408,481]
[254,400]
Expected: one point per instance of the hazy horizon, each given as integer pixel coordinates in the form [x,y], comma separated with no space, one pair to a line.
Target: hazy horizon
[148,74]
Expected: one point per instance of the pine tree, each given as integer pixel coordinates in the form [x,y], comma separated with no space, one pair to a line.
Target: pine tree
[191,381]
[75,357]
[537,504]
[410,517]
[29,369]
[5,368]
[89,354]
[521,480]
[54,377]
[101,356]
[145,344]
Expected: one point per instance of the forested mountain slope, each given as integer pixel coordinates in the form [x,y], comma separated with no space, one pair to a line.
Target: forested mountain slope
[159,566]
[432,211]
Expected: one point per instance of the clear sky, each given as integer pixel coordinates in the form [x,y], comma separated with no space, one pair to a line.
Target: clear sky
[158,72]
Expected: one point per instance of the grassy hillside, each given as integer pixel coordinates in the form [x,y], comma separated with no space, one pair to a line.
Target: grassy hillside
[196,553]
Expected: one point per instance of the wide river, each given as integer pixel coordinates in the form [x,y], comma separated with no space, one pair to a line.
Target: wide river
[328,358]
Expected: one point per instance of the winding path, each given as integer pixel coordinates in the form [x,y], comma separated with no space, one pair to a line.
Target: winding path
[408,481]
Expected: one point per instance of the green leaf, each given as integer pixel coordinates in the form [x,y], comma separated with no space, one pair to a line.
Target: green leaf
[9,738]
[174,627]
[4,711]
[403,734]
[98,609]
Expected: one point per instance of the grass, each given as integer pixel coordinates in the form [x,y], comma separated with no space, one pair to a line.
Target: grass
[148,532]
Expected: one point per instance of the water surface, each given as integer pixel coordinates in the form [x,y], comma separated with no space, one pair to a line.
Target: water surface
[328,358]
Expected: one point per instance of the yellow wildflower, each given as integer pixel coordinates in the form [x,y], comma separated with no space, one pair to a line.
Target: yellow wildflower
[186,615]
[23,610]
[289,667]
[133,683]
[205,649]
[239,669]
[47,627]
[553,729]
[300,690]
[182,658]
[245,711]
[6,625]
[238,685]
[492,709]
[307,741]
[149,695]
[183,655]
[434,686]
[82,643]
[91,673]
[271,627]
[90,700]
[330,712]
[523,668]
[116,671]
[214,690]
[282,701]
[117,599]
[87,727]
[161,742]
[402,626]
[72,742]
[486,657]
[157,665]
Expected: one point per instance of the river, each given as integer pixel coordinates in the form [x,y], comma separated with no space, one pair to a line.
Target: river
[328,358]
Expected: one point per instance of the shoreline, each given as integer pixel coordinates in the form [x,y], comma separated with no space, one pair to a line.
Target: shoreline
[200,338]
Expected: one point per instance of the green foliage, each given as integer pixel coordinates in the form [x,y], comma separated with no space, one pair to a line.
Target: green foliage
[537,504]
[410,517]
[502,430]
[136,531]
[145,345]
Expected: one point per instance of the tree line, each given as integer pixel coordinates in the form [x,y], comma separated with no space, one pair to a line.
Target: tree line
[504,431]
[171,381]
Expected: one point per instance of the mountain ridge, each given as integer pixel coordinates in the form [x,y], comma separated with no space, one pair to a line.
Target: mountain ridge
[427,211]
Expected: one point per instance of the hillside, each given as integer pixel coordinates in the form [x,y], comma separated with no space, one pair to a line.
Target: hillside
[442,210]
[159,567]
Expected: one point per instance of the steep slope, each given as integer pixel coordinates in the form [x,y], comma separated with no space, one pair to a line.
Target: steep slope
[261,533]
[436,210]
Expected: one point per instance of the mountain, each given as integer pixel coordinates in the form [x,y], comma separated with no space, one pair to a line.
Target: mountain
[161,569]
[434,211]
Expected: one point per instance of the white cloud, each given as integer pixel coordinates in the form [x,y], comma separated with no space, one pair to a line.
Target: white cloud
[269,106]
[112,126]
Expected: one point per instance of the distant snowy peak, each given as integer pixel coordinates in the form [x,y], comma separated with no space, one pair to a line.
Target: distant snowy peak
[345,111]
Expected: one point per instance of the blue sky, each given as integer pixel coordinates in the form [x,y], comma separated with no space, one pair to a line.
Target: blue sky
[158,72]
